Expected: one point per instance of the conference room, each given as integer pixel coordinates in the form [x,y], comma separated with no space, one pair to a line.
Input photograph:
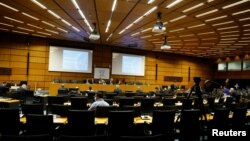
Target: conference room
[167,69]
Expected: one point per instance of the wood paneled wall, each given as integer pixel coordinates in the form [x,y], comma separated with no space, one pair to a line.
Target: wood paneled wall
[14,50]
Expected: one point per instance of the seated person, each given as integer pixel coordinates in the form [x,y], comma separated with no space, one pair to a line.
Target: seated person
[90,89]
[117,89]
[99,102]
[139,90]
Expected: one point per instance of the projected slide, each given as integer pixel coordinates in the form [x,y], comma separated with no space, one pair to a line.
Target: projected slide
[128,64]
[70,59]
[75,60]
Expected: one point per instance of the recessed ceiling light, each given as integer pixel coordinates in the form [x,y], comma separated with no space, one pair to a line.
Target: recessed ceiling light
[206,13]
[188,35]
[176,30]
[25,29]
[63,30]
[173,3]
[228,32]
[34,26]
[4,29]
[6,24]
[38,35]
[7,6]
[222,23]
[52,31]
[241,12]
[227,28]
[206,33]
[44,33]
[39,4]
[54,14]
[234,4]
[48,24]
[193,7]
[13,19]
[178,18]
[216,18]
[244,19]
[19,32]
[150,1]
[67,23]
[28,15]
[76,29]
[194,26]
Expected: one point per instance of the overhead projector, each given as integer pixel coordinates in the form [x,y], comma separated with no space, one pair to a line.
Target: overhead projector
[94,36]
[165,46]
[159,27]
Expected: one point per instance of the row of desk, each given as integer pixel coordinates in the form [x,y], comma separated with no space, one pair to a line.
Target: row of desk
[137,120]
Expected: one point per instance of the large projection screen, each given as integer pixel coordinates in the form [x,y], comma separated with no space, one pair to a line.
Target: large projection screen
[66,59]
[128,64]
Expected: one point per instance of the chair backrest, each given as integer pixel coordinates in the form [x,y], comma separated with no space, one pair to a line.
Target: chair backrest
[42,137]
[190,123]
[147,105]
[109,101]
[187,103]
[136,109]
[62,91]
[110,95]
[32,108]
[81,122]
[9,121]
[39,124]
[163,122]
[221,118]
[60,109]
[103,111]
[82,138]
[126,101]
[130,94]
[56,100]
[120,123]
[79,103]
[167,101]
[141,138]
[239,118]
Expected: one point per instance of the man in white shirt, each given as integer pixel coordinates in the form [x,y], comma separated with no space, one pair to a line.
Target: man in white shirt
[99,102]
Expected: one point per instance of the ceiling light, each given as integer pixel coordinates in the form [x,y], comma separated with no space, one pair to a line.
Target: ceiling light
[241,12]
[206,13]
[176,30]
[38,35]
[205,33]
[4,29]
[62,29]
[94,35]
[52,31]
[228,32]
[137,33]
[34,26]
[187,35]
[216,18]
[7,6]
[30,16]
[196,26]
[222,23]
[178,18]
[234,4]
[193,7]
[76,29]
[7,24]
[173,3]
[25,29]
[44,33]
[227,27]
[13,19]
[39,4]
[19,32]
[244,19]
[48,24]
[54,14]
[109,36]
[150,1]
[165,44]
[147,36]
[158,27]
[67,23]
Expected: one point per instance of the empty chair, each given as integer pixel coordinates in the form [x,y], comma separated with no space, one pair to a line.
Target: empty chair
[189,124]
[126,101]
[79,103]
[56,100]
[9,121]
[147,105]
[59,109]
[163,122]
[221,118]
[141,138]
[239,118]
[169,101]
[103,111]
[91,96]
[82,138]
[39,124]
[187,103]
[110,95]
[81,123]
[32,109]
[120,123]
[42,137]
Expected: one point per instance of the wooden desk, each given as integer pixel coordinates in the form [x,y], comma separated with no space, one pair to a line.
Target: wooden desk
[9,103]
[98,87]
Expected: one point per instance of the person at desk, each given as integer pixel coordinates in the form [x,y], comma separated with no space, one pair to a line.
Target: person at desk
[139,90]
[99,102]
[90,89]
[117,89]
